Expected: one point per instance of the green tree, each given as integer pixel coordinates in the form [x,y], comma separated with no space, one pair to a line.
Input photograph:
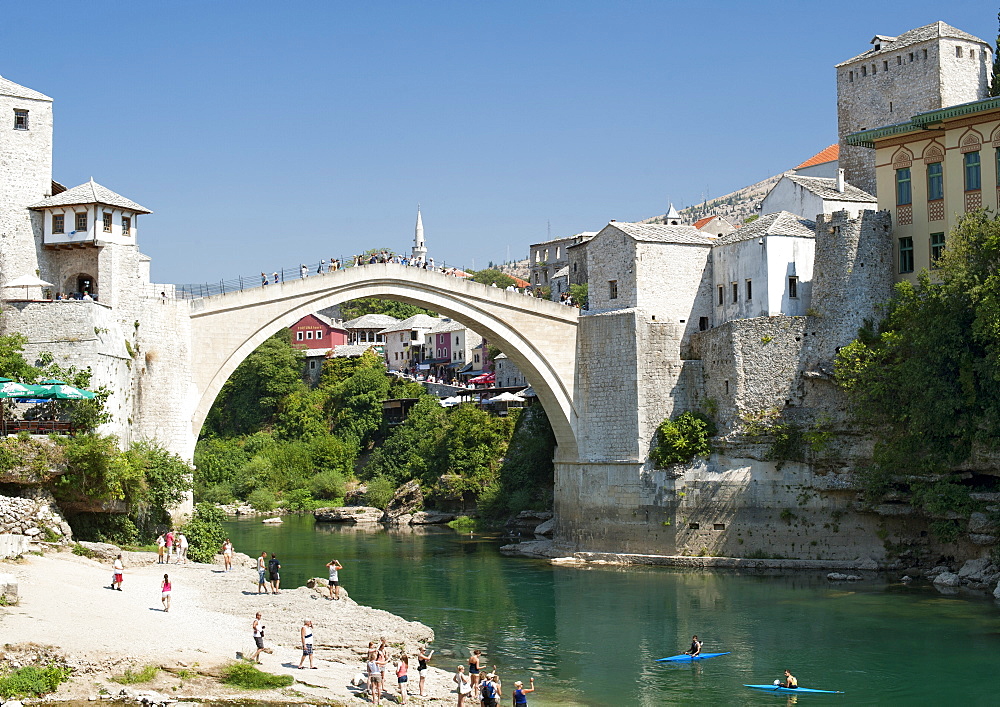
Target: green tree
[580,294]
[491,275]
[204,533]
[12,362]
[408,449]
[370,305]
[995,82]
[472,450]
[526,475]
[355,402]
[926,381]
[683,438]
[249,399]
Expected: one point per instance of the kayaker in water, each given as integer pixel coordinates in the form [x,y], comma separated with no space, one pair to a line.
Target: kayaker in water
[695,647]
[790,681]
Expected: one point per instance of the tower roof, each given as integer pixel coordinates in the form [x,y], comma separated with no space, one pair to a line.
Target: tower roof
[934,30]
[90,193]
[829,154]
[9,88]
[672,212]
[418,232]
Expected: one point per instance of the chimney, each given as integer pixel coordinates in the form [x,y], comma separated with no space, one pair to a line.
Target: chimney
[840,181]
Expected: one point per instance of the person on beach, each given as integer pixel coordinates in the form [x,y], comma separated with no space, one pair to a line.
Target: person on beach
[474,668]
[402,668]
[161,546]
[258,639]
[227,554]
[306,636]
[262,573]
[273,566]
[183,554]
[490,691]
[334,583]
[374,675]
[521,692]
[168,541]
[118,572]
[422,670]
[695,648]
[382,656]
[463,683]
[165,593]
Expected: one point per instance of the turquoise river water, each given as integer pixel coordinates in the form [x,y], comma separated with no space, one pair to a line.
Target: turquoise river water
[592,636]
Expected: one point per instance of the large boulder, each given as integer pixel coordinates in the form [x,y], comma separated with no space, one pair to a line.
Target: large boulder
[947,579]
[8,588]
[407,499]
[527,521]
[546,528]
[980,524]
[973,570]
[431,518]
[348,514]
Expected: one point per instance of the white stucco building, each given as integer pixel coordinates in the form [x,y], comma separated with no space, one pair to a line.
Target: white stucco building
[809,196]
[404,339]
[764,268]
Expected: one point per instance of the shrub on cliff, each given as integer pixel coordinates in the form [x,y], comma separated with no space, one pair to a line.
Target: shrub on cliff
[683,438]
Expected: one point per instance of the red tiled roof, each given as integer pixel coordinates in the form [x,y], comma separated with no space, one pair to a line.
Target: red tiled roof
[518,282]
[828,155]
[702,221]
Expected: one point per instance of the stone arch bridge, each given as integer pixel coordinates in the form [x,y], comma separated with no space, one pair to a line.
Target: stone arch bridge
[538,335]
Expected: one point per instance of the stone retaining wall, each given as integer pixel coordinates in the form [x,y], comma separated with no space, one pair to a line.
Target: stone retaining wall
[31,514]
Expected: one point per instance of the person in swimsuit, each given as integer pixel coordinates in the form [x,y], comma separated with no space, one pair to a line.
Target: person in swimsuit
[695,647]
[334,584]
[521,692]
[118,569]
[464,686]
[262,573]
[474,668]
[402,668]
[374,676]
[165,593]
[790,681]
[382,656]
[306,636]
[227,554]
[422,670]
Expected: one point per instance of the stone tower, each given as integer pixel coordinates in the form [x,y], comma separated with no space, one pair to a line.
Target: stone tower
[419,250]
[925,69]
[25,176]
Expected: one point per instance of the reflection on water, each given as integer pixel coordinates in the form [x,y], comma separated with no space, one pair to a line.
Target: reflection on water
[591,636]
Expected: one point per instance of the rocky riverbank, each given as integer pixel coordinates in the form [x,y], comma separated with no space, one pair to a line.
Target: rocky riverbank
[67,609]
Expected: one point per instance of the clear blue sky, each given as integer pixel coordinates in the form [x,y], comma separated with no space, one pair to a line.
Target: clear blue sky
[265,134]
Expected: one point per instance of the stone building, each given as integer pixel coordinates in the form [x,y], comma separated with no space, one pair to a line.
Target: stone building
[404,341]
[549,257]
[714,226]
[508,375]
[808,196]
[764,269]
[367,328]
[924,69]
[931,170]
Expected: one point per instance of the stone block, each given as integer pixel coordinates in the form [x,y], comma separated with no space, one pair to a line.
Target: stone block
[8,588]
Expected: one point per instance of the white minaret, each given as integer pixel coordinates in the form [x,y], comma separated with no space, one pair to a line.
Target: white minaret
[419,251]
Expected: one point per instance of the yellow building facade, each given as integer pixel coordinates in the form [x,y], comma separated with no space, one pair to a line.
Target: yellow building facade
[930,171]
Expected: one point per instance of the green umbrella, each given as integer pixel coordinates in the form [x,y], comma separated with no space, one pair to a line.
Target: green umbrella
[12,389]
[62,391]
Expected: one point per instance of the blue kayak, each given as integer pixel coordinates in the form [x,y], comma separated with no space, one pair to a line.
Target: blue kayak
[685,658]
[774,688]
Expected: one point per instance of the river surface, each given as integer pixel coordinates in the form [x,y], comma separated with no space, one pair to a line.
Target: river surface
[592,636]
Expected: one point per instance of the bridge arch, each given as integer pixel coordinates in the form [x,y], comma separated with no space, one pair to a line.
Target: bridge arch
[537,335]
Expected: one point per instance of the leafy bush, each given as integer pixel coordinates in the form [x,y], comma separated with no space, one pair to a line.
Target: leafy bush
[327,484]
[32,681]
[248,677]
[300,500]
[130,677]
[114,528]
[682,439]
[380,492]
[204,533]
[82,551]
[262,500]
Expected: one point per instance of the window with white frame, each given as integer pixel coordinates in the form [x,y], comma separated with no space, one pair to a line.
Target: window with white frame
[58,223]
[126,226]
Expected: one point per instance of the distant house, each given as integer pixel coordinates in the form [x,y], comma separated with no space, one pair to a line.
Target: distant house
[809,196]
[447,349]
[714,226]
[508,375]
[316,331]
[764,268]
[404,341]
[365,329]
[824,163]
[549,257]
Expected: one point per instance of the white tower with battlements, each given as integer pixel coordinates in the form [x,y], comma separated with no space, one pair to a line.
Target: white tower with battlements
[419,250]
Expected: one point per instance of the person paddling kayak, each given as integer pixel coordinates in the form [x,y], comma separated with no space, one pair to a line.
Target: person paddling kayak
[695,647]
[790,681]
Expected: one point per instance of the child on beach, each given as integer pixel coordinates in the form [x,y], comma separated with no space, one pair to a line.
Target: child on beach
[227,554]
[118,570]
[165,593]
[401,677]
[334,584]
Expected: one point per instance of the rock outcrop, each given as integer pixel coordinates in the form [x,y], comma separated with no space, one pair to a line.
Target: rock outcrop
[348,514]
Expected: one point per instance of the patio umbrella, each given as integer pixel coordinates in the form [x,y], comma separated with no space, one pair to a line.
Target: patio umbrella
[13,389]
[27,281]
[485,378]
[62,391]
[506,397]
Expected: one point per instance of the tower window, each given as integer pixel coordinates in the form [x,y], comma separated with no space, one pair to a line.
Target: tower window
[911,57]
[937,247]
[58,223]
[903,193]
[126,226]
[899,61]
[107,221]
[874,69]
[612,289]
[864,70]
[793,288]
[935,180]
[885,65]
[973,178]
[20,119]
[905,255]
[972,53]
[736,291]
[749,290]
[958,52]
[722,295]
[925,53]
[850,76]
[81,221]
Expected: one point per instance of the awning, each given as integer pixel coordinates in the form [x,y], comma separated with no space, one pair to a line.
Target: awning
[466,368]
[471,373]
[437,360]
[424,366]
